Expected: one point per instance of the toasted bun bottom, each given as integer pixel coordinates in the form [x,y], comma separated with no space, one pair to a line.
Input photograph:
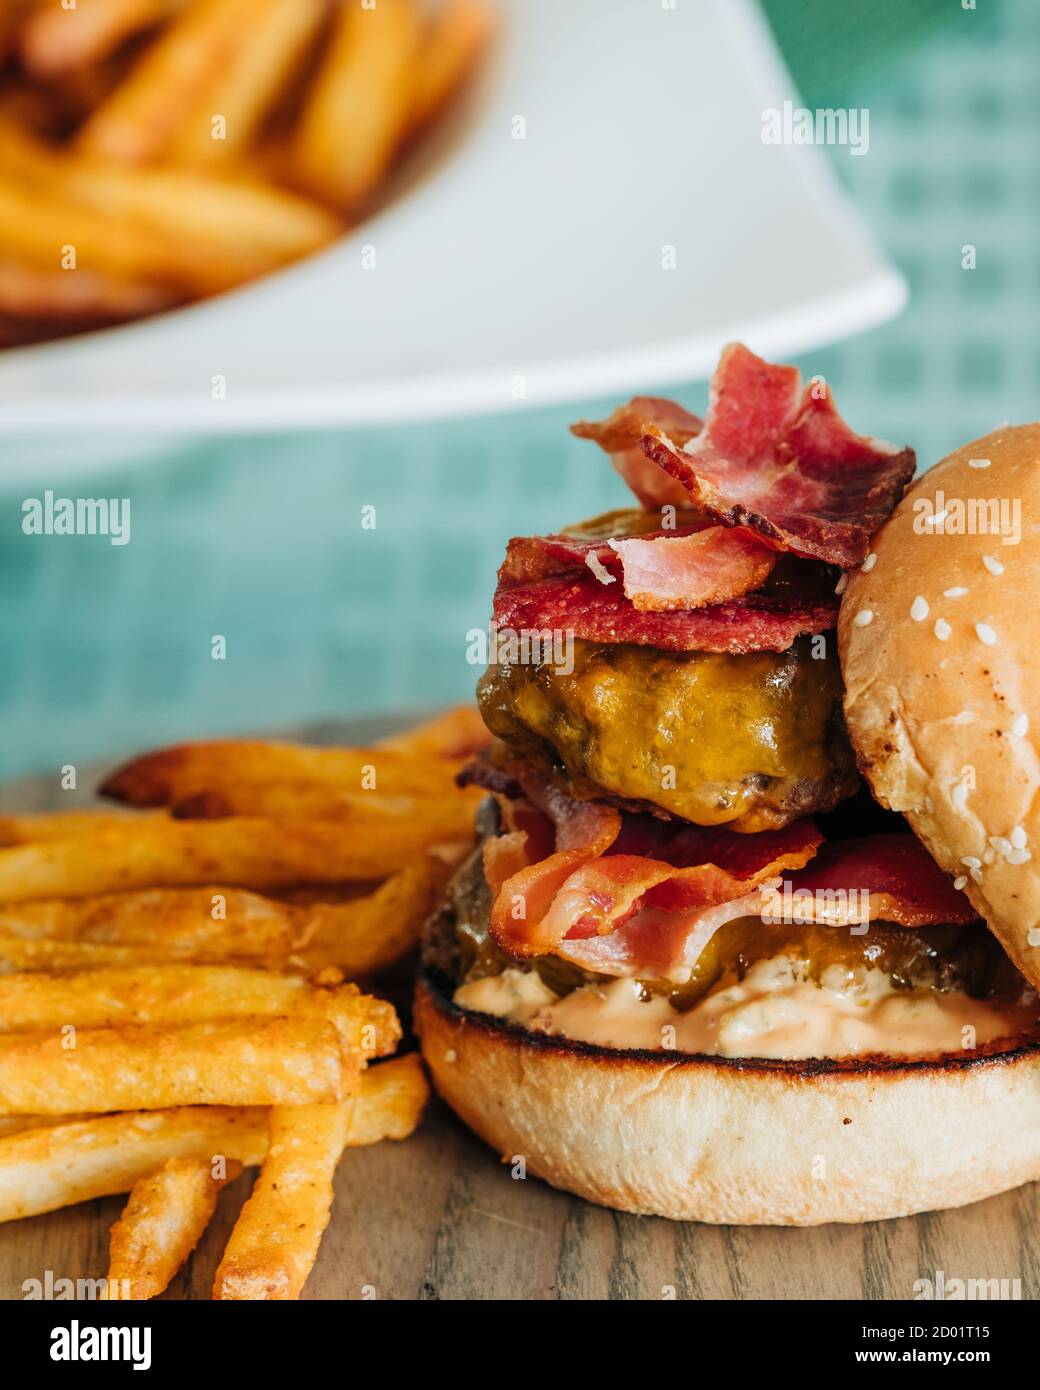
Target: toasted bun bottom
[738,1142]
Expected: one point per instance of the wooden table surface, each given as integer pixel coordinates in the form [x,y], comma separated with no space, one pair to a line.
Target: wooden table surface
[438,1216]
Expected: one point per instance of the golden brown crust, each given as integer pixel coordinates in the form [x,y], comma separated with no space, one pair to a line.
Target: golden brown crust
[945,725]
[739,1141]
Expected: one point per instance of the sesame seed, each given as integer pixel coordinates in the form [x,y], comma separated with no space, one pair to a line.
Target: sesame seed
[985,634]
[1034,936]
[842,584]
[970,862]
[994,566]
[959,796]
[978,463]
[958,591]
[942,629]
[988,856]
[937,518]
[864,617]
[919,609]
[976,875]
[1021,725]
[1019,856]
[960,881]
[966,716]
[1001,844]
[869,563]
[1019,838]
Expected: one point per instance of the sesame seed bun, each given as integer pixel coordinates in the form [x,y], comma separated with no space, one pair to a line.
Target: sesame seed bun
[942,674]
[738,1141]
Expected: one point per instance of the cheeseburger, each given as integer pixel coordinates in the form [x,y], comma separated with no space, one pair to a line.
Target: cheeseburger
[694,968]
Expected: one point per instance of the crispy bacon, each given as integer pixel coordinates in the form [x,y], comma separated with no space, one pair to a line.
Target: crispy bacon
[784,464]
[905,883]
[620,434]
[767,620]
[625,863]
[620,893]
[690,566]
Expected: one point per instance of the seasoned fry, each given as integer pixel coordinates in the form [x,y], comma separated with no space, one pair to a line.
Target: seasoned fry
[225,921]
[57,1161]
[372,933]
[177,995]
[162,1223]
[140,118]
[448,817]
[390,1101]
[58,825]
[172,775]
[18,954]
[243,851]
[275,1240]
[458,35]
[280,1061]
[457,733]
[177,925]
[357,110]
[248,84]
[55,1165]
[56,40]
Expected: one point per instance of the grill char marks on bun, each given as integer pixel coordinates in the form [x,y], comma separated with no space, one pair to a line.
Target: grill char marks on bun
[729,1142]
[942,674]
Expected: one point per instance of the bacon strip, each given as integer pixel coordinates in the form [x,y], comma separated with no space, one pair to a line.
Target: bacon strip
[690,566]
[767,620]
[591,889]
[905,883]
[620,434]
[636,895]
[785,465]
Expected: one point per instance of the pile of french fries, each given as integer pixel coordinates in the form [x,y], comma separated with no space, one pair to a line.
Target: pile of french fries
[178,997]
[154,152]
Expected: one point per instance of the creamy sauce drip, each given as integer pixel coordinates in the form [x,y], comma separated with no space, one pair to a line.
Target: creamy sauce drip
[774,1012]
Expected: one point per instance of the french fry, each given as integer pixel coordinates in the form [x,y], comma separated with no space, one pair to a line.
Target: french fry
[375,931]
[357,110]
[47,1162]
[177,995]
[137,122]
[56,1165]
[243,851]
[280,1061]
[162,1223]
[55,40]
[458,34]
[173,775]
[390,1102]
[248,84]
[41,229]
[457,733]
[225,921]
[58,825]
[18,954]
[178,925]
[87,298]
[275,1240]
[448,817]
[175,226]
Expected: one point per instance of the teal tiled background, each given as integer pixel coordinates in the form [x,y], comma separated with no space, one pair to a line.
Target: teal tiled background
[107,649]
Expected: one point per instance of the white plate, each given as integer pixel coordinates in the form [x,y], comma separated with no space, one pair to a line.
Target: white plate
[521,271]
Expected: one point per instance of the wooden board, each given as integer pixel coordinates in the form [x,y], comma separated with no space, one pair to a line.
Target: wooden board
[440,1217]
